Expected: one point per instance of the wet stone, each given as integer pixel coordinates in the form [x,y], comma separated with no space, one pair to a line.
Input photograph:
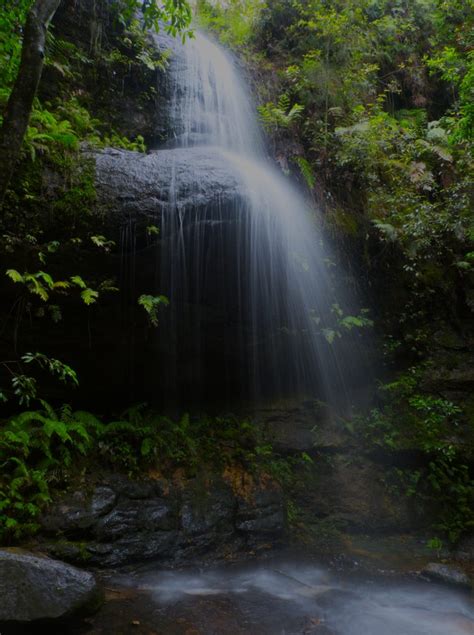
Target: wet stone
[103,500]
[446,573]
[38,588]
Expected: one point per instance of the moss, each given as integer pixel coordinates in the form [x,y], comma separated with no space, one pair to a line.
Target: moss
[74,550]
[343,221]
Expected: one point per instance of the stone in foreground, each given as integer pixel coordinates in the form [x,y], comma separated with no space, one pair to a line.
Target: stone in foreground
[38,588]
[446,573]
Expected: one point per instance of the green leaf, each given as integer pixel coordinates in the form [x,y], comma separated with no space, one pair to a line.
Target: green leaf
[79,282]
[151,303]
[14,275]
[89,296]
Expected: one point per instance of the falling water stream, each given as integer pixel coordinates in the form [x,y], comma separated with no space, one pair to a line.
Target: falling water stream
[252,302]
[249,277]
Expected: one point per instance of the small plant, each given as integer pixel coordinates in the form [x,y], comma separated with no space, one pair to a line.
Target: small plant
[150,304]
[436,544]
[281,115]
[24,387]
[36,449]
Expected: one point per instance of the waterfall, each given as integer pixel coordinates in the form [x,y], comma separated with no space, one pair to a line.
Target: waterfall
[249,280]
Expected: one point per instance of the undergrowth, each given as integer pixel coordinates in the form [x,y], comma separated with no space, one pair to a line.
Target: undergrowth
[411,418]
[42,450]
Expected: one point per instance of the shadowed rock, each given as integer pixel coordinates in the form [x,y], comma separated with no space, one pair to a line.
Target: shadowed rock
[136,185]
[446,573]
[36,588]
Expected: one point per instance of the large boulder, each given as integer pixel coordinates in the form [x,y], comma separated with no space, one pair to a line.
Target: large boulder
[39,588]
[135,186]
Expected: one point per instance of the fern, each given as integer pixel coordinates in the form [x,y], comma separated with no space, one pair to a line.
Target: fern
[89,421]
[54,366]
[89,296]
[280,115]
[151,303]
[306,171]
[103,243]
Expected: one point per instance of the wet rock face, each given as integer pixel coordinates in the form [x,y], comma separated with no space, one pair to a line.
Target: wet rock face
[136,186]
[351,492]
[34,588]
[465,548]
[447,574]
[122,521]
[114,94]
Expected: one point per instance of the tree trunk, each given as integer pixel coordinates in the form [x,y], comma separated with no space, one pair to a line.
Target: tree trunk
[20,103]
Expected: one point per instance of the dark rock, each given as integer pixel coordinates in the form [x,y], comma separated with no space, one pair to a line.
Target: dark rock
[263,523]
[38,588]
[208,510]
[446,573]
[350,490]
[292,426]
[264,513]
[137,490]
[79,512]
[158,519]
[103,500]
[138,186]
[134,548]
[465,549]
[122,520]
[130,516]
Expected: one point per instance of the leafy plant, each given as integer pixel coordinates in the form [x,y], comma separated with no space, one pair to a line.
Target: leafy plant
[413,419]
[41,450]
[36,448]
[24,387]
[151,304]
[280,115]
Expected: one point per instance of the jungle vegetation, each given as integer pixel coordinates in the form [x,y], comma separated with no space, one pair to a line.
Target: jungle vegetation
[368,103]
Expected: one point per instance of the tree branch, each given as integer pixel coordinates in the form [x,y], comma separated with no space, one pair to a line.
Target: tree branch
[20,103]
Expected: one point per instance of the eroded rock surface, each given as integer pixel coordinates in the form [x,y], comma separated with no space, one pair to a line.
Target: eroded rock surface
[446,573]
[35,588]
[121,521]
[134,185]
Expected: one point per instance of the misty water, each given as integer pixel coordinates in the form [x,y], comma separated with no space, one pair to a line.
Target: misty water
[260,263]
[290,598]
[252,286]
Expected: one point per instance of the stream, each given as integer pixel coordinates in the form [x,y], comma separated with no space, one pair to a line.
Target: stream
[282,597]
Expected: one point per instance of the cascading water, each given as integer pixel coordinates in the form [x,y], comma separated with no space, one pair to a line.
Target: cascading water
[251,301]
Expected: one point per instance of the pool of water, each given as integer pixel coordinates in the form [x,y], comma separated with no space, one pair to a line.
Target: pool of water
[287,598]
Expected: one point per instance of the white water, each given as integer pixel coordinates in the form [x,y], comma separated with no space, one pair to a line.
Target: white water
[256,264]
[287,598]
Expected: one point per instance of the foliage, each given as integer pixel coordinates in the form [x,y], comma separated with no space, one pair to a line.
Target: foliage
[35,448]
[41,450]
[150,304]
[280,115]
[24,387]
[413,419]
[175,15]
[344,323]
[383,94]
[306,171]
[234,20]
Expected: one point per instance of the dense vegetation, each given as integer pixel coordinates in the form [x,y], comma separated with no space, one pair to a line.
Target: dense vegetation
[48,237]
[369,103]
[43,233]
